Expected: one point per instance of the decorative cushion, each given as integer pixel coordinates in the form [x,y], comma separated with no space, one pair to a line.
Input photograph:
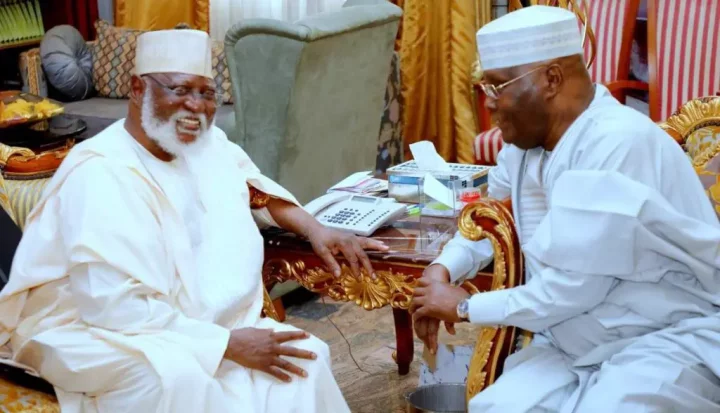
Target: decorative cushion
[114,62]
[67,62]
[19,399]
[487,146]
[221,72]
[33,77]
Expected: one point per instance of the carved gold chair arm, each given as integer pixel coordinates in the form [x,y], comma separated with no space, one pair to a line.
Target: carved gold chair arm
[492,220]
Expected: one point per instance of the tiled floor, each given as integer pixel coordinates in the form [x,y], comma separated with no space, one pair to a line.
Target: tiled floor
[371,334]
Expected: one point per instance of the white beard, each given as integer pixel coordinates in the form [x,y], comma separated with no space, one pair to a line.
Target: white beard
[164,133]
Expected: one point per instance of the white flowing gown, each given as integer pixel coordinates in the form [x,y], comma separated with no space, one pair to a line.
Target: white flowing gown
[131,274]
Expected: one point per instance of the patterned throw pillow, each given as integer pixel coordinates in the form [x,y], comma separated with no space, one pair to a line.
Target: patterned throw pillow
[221,72]
[114,62]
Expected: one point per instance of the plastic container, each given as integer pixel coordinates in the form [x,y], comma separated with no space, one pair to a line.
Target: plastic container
[437,398]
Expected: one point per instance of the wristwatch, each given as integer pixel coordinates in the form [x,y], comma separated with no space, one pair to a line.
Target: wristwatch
[462,310]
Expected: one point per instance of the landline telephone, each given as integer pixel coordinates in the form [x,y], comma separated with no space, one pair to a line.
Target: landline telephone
[360,214]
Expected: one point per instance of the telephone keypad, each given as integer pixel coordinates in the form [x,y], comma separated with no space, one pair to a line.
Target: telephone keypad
[361,219]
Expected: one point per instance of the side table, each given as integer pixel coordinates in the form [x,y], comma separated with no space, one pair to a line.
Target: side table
[414,243]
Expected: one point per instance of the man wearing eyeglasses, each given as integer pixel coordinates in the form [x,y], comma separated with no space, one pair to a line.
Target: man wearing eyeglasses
[137,285]
[621,245]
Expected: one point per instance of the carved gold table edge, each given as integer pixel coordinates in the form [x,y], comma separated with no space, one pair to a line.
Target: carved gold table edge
[390,287]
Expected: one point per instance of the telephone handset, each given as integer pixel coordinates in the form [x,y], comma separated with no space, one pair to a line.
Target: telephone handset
[359,214]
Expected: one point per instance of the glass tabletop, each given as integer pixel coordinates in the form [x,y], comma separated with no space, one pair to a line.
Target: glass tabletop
[417,239]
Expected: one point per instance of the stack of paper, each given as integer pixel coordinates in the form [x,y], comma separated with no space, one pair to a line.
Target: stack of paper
[361,183]
[20,20]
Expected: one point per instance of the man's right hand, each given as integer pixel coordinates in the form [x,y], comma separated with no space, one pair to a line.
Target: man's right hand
[260,349]
[427,328]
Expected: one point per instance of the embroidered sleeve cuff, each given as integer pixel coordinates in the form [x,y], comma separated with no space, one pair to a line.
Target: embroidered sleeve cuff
[488,308]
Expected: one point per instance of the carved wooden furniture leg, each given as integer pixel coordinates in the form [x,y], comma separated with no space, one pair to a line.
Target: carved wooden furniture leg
[404,340]
[279,309]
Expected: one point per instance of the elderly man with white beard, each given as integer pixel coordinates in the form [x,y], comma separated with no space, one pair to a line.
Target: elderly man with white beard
[137,284]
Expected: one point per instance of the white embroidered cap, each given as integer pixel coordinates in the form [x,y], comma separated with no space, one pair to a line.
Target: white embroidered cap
[528,35]
[174,51]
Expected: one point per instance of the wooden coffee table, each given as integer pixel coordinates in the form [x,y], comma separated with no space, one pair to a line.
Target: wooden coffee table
[414,243]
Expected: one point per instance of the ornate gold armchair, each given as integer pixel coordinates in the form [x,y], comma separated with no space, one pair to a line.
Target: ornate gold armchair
[696,126]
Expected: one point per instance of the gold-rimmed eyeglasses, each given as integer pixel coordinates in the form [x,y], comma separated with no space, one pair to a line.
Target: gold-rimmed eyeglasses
[493,91]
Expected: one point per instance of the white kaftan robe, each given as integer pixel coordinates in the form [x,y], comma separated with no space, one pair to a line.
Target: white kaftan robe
[131,274]
[623,274]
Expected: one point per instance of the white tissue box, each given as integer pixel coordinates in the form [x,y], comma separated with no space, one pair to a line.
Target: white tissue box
[405,180]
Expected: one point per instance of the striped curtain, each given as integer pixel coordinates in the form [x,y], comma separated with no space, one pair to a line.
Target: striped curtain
[687,35]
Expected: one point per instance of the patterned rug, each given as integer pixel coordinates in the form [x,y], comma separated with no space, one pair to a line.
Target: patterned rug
[375,387]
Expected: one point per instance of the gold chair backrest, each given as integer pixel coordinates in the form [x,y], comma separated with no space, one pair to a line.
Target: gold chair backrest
[696,126]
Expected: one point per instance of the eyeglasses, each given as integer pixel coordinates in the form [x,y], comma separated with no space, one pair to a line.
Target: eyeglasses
[493,91]
[182,91]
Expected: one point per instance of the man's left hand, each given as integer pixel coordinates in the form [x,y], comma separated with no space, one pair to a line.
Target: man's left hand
[437,300]
[328,242]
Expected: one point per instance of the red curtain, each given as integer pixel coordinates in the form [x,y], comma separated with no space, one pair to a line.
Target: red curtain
[81,14]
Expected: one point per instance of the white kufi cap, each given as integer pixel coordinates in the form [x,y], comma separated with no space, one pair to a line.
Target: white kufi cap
[529,35]
[174,51]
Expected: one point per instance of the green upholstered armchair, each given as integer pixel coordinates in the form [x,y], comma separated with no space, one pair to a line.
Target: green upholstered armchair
[309,95]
